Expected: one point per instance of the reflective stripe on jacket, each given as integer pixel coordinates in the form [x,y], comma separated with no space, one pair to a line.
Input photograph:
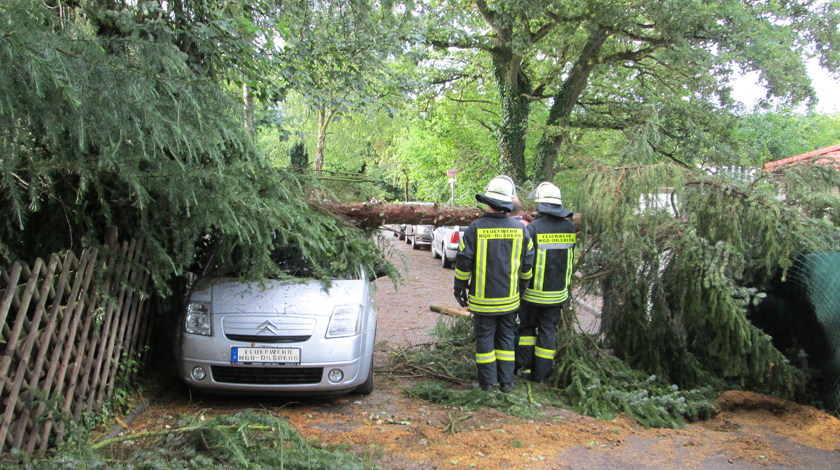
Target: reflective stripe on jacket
[554,240]
[495,253]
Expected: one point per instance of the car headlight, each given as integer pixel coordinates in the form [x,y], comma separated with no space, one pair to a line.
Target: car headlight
[198,319]
[346,320]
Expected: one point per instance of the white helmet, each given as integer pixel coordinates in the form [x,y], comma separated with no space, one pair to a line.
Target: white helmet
[499,193]
[547,192]
[501,188]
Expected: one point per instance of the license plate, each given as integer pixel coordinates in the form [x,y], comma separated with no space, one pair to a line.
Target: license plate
[280,356]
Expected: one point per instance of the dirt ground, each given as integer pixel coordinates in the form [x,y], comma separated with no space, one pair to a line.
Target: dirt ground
[396,431]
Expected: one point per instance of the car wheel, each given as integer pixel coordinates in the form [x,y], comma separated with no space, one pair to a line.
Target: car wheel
[414,245]
[445,262]
[408,239]
[434,252]
[401,235]
[367,387]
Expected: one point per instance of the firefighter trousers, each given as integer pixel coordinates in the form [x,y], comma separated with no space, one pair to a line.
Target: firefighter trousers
[494,348]
[537,339]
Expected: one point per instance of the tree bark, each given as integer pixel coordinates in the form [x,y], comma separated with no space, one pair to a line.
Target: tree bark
[324,117]
[248,109]
[564,102]
[514,88]
[374,215]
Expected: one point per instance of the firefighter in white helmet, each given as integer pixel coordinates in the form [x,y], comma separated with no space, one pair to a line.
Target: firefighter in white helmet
[493,263]
[553,234]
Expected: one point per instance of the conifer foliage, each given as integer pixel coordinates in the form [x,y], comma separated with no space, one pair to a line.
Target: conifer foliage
[682,258]
[120,113]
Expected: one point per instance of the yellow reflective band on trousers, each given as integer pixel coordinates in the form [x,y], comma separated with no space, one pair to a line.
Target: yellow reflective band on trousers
[502,355]
[543,353]
[485,358]
[527,340]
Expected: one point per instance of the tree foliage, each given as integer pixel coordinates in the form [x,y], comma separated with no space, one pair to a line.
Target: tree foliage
[117,114]
[680,274]
[344,54]
[658,71]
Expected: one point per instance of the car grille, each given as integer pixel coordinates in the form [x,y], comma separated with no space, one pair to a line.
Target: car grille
[267,339]
[266,375]
[268,329]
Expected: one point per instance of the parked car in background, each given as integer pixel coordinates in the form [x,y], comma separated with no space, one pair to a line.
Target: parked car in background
[445,243]
[398,230]
[278,336]
[419,235]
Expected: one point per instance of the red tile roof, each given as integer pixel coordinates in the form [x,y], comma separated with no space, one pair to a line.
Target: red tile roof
[823,156]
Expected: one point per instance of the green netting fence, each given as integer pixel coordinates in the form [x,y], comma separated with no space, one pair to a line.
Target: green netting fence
[802,313]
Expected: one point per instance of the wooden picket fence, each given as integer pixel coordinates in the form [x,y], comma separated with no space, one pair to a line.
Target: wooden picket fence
[67,326]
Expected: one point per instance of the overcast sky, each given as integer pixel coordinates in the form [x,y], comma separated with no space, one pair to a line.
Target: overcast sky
[828,89]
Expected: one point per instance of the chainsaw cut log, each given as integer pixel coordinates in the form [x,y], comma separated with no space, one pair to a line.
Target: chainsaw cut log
[449,311]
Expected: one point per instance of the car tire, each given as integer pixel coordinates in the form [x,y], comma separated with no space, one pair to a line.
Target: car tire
[408,239]
[367,387]
[435,255]
[414,245]
[445,262]
[401,235]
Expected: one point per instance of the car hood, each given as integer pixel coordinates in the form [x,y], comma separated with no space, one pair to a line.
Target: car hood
[278,297]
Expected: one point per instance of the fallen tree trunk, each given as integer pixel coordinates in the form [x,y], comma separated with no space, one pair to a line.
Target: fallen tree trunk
[374,215]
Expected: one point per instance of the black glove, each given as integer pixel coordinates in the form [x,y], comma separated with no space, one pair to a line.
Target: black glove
[461,293]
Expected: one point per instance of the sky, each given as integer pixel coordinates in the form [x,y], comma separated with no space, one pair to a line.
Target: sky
[827,88]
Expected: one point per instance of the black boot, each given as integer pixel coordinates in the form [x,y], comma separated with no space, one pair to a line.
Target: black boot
[483,387]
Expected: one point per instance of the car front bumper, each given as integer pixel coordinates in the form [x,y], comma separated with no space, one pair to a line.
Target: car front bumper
[423,238]
[319,356]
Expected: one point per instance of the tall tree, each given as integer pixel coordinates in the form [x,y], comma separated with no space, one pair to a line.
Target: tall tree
[342,52]
[651,68]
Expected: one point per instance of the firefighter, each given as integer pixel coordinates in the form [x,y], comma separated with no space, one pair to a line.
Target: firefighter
[493,263]
[553,234]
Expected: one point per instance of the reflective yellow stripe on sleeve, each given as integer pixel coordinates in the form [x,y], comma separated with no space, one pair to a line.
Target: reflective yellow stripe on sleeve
[462,275]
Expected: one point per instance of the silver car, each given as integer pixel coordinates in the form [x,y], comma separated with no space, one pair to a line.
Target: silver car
[278,336]
[445,243]
[419,235]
